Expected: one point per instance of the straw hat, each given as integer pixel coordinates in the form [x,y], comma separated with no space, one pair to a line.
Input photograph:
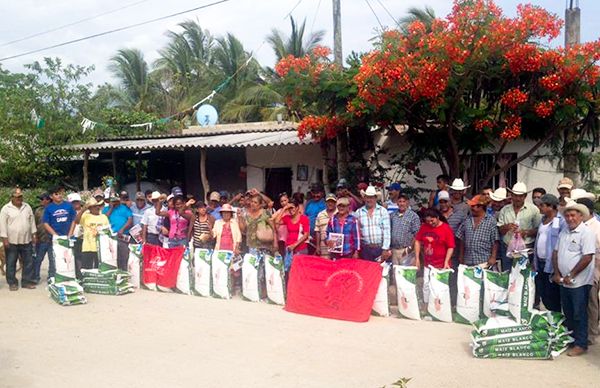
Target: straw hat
[226,208]
[370,192]
[499,194]
[581,208]
[581,193]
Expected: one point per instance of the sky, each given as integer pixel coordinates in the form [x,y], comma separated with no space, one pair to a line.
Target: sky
[249,20]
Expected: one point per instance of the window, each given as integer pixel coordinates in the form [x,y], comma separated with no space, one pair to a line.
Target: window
[485,162]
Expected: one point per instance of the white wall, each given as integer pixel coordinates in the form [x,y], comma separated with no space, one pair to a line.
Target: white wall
[260,158]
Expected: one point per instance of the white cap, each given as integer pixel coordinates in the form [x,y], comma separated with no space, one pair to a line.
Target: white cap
[74,197]
[155,195]
[443,194]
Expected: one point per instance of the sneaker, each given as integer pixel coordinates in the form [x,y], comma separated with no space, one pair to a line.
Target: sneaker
[576,351]
[13,287]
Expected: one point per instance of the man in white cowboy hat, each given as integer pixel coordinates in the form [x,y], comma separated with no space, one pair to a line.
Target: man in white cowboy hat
[375,229]
[498,198]
[151,223]
[594,304]
[565,185]
[457,196]
[520,217]
[574,270]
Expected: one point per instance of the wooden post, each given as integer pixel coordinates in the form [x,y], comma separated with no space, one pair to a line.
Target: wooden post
[138,172]
[203,178]
[86,162]
[114,165]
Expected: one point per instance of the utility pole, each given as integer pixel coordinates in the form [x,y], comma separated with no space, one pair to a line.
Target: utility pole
[342,137]
[570,149]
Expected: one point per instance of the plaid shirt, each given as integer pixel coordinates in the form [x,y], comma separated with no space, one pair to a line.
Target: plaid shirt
[375,229]
[404,228]
[479,240]
[350,231]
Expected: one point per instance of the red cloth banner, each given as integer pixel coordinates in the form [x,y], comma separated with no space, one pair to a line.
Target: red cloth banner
[161,265]
[343,289]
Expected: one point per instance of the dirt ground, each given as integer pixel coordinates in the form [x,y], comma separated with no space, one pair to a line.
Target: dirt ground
[150,339]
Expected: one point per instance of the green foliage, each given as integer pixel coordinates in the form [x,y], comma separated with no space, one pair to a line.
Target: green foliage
[29,195]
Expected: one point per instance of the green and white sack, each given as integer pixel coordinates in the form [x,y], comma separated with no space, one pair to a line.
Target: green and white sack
[108,289]
[468,298]
[521,291]
[221,279]
[406,284]
[202,273]
[106,280]
[250,286]
[64,259]
[67,293]
[185,275]
[439,306]
[495,293]
[275,279]
[381,305]
[107,247]
[134,264]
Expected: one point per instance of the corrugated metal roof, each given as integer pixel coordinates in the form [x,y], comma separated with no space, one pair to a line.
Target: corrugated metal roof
[249,139]
[219,129]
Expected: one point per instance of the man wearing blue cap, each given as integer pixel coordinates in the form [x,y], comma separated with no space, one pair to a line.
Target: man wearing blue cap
[393,193]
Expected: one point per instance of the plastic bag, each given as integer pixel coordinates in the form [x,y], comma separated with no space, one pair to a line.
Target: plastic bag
[516,247]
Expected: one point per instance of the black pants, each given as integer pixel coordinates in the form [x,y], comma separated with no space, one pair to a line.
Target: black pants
[548,292]
[89,260]
[78,258]
[13,252]
[122,254]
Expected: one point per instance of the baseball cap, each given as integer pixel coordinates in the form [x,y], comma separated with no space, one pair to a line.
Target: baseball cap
[342,183]
[443,196]
[74,197]
[155,195]
[43,196]
[140,195]
[331,197]
[223,194]
[565,183]
[343,201]
[214,196]
[549,199]
[177,191]
[17,192]
[478,200]
[124,194]
[316,187]
[395,186]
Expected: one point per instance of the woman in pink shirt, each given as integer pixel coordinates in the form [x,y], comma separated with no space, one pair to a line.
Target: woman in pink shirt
[180,218]
[227,231]
[298,229]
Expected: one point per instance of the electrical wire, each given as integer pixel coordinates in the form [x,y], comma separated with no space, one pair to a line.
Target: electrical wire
[388,12]
[374,14]
[293,9]
[113,31]
[72,23]
[312,26]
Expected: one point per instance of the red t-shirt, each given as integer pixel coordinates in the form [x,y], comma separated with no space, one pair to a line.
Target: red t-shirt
[226,238]
[296,230]
[435,243]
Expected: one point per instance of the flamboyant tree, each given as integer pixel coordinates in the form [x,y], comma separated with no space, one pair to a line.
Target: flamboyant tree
[477,80]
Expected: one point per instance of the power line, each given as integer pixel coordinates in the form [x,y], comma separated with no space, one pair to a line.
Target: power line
[376,17]
[113,31]
[293,9]
[72,23]
[388,12]
[312,26]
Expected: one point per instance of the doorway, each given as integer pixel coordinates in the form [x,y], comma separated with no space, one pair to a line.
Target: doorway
[277,181]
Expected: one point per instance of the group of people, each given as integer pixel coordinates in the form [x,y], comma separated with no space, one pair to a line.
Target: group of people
[560,234]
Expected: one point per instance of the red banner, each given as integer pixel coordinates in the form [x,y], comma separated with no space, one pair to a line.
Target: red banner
[343,289]
[161,265]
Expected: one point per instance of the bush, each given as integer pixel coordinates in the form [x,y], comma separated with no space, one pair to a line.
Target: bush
[29,195]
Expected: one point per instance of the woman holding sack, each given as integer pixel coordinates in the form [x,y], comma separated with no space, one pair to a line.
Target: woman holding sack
[202,232]
[298,231]
[435,240]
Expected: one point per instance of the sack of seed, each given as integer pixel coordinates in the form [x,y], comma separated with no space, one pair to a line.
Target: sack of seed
[468,298]
[495,293]
[381,305]
[439,306]
[221,278]
[202,274]
[185,275]
[67,293]
[406,284]
[64,259]
[521,290]
[250,286]
[275,279]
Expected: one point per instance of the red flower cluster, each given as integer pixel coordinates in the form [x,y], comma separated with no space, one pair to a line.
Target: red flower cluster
[512,128]
[320,127]
[545,108]
[480,125]
[291,63]
[514,98]
[321,52]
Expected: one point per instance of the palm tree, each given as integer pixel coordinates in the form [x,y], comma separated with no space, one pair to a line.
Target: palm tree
[130,67]
[425,15]
[229,58]
[295,44]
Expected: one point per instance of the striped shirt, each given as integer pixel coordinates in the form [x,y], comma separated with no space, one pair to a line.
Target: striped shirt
[479,240]
[404,228]
[375,229]
[200,228]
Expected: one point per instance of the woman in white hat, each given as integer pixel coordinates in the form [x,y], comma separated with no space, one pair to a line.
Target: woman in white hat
[226,231]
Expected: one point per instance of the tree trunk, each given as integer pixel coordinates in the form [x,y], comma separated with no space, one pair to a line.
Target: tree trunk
[325,161]
[138,172]
[572,37]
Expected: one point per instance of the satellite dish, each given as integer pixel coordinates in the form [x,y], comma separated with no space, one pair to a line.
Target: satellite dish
[207,115]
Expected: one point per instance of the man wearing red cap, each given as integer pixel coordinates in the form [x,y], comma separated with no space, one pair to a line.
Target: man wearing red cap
[478,235]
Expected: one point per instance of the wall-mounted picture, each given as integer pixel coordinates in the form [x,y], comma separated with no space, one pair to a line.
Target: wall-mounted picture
[302,173]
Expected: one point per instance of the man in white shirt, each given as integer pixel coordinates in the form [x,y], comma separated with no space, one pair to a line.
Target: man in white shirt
[594,304]
[574,271]
[151,223]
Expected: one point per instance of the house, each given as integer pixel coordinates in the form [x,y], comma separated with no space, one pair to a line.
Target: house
[232,157]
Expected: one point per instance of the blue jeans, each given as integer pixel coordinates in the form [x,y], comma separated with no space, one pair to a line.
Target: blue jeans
[41,249]
[13,251]
[574,303]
